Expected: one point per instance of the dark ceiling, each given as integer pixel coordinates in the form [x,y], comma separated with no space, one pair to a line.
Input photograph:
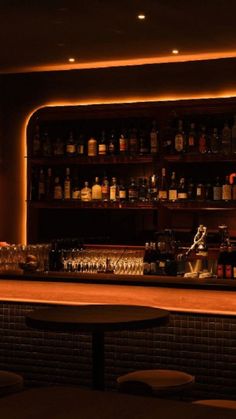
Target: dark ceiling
[49,32]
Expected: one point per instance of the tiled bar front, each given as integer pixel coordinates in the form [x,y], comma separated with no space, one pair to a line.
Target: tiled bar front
[201,344]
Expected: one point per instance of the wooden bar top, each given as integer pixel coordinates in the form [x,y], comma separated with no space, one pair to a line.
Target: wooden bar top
[172,299]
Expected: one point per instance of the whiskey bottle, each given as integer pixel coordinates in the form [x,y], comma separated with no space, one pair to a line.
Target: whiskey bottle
[208,191]
[226,190]
[163,188]
[180,139]
[214,141]
[86,193]
[133,142]
[234,189]
[172,193]
[122,192]
[58,147]
[36,146]
[57,191]
[92,147]
[200,192]
[226,139]
[112,143]
[132,191]
[76,194]
[167,143]
[182,194]
[114,193]
[154,139]
[202,141]
[123,143]
[153,188]
[192,139]
[49,184]
[217,190]
[105,190]
[146,260]
[143,144]
[191,190]
[41,185]
[81,145]
[70,145]
[142,190]
[102,146]
[96,190]
[67,185]
[46,144]
[233,136]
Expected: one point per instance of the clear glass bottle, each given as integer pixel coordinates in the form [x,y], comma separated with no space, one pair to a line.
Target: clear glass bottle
[96,190]
[86,193]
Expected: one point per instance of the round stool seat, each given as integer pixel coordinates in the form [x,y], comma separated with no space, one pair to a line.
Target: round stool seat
[226,404]
[155,381]
[10,383]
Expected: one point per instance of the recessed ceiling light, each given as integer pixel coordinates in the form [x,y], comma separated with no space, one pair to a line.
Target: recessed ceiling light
[71,60]
[175,51]
[141,16]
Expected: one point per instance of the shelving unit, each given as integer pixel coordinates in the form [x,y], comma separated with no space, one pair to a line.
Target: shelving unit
[133,223]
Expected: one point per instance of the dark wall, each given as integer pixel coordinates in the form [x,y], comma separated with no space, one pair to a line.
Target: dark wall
[23,93]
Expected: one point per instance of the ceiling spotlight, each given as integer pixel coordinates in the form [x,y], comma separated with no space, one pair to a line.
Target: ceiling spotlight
[141,16]
[71,60]
[175,51]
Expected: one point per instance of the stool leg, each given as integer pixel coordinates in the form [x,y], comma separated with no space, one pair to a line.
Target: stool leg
[98,360]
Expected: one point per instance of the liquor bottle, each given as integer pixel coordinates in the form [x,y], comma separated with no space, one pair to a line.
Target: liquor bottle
[41,185]
[46,144]
[142,190]
[132,191]
[49,184]
[58,147]
[214,141]
[182,194]
[92,147]
[133,142]
[123,143]
[222,258]
[200,192]
[163,188]
[172,194]
[234,189]
[154,139]
[96,190]
[146,260]
[57,191]
[112,143]
[192,139]
[105,190]
[153,258]
[226,139]
[153,188]
[67,185]
[180,139]
[233,136]
[70,145]
[167,143]
[102,145]
[86,193]
[36,146]
[76,194]
[114,193]
[143,143]
[217,190]
[228,262]
[208,192]
[191,190]
[202,141]
[226,190]
[122,192]
[81,145]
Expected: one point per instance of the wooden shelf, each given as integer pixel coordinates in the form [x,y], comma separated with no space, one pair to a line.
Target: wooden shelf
[85,160]
[200,206]
[200,158]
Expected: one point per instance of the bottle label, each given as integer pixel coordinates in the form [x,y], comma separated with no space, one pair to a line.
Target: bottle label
[76,194]
[226,192]
[102,149]
[191,141]
[220,271]
[154,142]
[80,149]
[97,192]
[217,193]
[202,144]
[58,192]
[111,147]
[162,194]
[199,191]
[67,189]
[122,194]
[41,188]
[228,271]
[70,148]
[113,193]
[179,142]
[86,194]
[182,195]
[234,271]
[92,148]
[123,144]
[172,195]
[133,194]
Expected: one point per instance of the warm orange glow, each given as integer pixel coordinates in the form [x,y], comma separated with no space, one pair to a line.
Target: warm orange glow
[95,101]
[172,58]
[175,51]
[141,16]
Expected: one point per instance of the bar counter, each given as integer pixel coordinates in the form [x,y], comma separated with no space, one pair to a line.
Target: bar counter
[202,301]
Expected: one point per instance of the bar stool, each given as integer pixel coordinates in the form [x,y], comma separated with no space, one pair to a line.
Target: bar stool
[10,382]
[156,382]
[226,404]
